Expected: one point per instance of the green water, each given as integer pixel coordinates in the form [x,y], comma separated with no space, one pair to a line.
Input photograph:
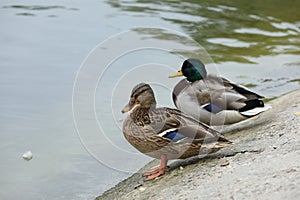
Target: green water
[230,30]
[254,43]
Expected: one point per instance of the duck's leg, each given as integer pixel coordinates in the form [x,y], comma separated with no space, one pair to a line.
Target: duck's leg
[160,170]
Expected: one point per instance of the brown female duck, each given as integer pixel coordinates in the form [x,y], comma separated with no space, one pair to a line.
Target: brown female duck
[166,133]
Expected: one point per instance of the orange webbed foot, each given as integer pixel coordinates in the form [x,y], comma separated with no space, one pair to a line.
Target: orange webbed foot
[157,171]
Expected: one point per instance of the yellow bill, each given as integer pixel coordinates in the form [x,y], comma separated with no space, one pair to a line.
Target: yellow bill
[179,73]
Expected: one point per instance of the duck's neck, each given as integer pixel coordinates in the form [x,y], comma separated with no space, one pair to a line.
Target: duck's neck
[193,79]
[140,115]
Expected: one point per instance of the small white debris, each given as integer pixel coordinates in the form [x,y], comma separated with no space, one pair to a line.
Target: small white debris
[142,189]
[27,155]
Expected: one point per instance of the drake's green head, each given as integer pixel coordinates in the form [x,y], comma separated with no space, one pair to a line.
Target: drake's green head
[193,69]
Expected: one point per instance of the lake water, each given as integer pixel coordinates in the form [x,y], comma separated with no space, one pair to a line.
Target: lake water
[61,92]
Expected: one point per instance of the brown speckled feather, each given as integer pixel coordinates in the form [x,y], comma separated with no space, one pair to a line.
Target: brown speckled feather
[148,129]
[145,136]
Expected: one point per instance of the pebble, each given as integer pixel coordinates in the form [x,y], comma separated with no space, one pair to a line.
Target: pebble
[281,134]
[224,164]
[27,155]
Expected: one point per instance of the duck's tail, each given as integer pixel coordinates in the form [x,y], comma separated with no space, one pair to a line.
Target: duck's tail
[222,144]
[254,107]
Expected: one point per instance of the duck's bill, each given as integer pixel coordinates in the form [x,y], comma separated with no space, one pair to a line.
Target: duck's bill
[128,107]
[179,73]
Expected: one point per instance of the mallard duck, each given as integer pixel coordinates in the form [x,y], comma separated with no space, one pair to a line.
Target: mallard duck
[212,99]
[165,133]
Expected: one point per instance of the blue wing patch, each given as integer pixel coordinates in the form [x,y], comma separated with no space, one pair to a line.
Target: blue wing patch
[174,136]
[212,108]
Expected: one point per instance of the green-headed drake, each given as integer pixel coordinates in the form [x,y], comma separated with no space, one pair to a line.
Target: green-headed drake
[212,99]
[166,133]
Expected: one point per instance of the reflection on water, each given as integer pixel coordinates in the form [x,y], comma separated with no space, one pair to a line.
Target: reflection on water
[258,38]
[258,27]
[35,8]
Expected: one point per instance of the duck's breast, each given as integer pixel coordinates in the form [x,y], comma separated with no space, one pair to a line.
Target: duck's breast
[187,102]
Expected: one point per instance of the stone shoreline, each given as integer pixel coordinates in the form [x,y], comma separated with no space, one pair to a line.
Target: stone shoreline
[263,163]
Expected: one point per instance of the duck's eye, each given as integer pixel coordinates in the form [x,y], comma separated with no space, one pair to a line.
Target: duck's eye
[132,101]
